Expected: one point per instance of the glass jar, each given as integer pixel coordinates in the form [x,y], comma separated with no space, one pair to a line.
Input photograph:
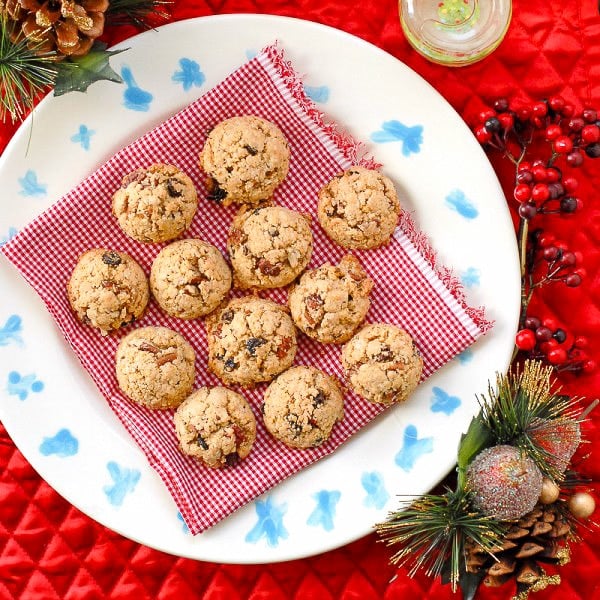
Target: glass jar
[455,32]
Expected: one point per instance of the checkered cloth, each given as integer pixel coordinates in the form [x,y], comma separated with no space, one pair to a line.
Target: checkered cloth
[410,290]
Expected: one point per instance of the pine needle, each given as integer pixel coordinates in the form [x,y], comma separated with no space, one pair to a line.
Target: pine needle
[137,12]
[24,74]
[432,531]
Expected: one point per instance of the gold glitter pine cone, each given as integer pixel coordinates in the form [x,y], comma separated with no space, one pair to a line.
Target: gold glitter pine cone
[65,26]
[539,537]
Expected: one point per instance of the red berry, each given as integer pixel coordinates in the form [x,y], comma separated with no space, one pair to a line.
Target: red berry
[575,159]
[573,280]
[486,114]
[482,134]
[576,124]
[524,166]
[539,173]
[590,115]
[543,334]
[553,175]
[556,103]
[563,144]
[590,134]
[579,203]
[522,192]
[525,340]
[580,342]
[546,347]
[527,210]
[570,183]
[506,120]
[553,131]
[532,323]
[550,253]
[540,192]
[501,105]
[567,110]
[589,366]
[557,356]
[539,109]
[568,259]
[524,177]
[550,323]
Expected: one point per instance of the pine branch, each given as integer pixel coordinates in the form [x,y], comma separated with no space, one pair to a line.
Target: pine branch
[24,73]
[431,533]
[140,13]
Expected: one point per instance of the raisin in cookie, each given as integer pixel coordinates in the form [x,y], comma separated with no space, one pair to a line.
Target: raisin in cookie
[301,407]
[329,303]
[155,204]
[189,278]
[382,363]
[250,340]
[155,367]
[107,289]
[268,246]
[215,426]
[359,209]
[245,159]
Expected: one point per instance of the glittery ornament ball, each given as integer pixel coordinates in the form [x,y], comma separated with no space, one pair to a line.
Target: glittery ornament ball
[559,439]
[505,482]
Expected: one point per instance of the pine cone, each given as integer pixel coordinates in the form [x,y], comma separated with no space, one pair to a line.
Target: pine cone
[68,27]
[538,537]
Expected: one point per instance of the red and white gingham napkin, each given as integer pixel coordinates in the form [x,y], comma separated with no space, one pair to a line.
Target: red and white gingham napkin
[409,290]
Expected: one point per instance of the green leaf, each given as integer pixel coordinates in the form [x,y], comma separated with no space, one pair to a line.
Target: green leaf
[76,74]
[477,438]
[469,584]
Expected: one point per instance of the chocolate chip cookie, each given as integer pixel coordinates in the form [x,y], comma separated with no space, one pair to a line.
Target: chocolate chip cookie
[359,209]
[250,340]
[268,246]
[382,363]
[245,159]
[301,407]
[155,204]
[107,289]
[155,367]
[329,303]
[189,278]
[215,426]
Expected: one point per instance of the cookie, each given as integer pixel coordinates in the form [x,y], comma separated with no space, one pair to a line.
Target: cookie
[359,209]
[329,303]
[382,364]
[155,367]
[189,278]
[155,204]
[268,246]
[107,289]
[245,159]
[215,426]
[301,407]
[250,340]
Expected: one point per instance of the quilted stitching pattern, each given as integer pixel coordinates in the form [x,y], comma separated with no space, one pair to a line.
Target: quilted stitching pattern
[49,550]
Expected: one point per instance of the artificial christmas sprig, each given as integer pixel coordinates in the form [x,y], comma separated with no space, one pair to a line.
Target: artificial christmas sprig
[512,508]
[545,141]
[54,44]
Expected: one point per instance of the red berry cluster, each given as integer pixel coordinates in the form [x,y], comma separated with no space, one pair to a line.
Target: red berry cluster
[550,260]
[543,338]
[557,139]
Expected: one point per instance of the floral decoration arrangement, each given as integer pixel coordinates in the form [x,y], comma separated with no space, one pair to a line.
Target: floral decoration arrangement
[54,44]
[517,502]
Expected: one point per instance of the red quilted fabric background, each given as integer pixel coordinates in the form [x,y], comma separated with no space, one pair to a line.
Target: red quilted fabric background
[49,550]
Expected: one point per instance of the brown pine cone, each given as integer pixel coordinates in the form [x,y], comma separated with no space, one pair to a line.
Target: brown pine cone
[68,27]
[539,537]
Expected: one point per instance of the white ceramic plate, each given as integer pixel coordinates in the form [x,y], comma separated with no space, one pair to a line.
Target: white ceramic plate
[64,427]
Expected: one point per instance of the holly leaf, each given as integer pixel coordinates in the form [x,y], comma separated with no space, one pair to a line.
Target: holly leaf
[469,584]
[477,438]
[76,74]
